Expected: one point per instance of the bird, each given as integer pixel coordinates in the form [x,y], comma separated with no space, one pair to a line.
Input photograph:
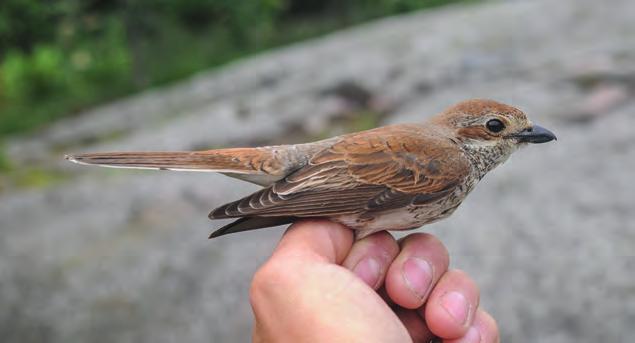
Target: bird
[395,177]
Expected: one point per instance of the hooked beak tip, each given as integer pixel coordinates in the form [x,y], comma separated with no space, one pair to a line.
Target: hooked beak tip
[535,134]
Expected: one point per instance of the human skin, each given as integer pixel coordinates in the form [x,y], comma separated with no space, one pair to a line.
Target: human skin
[322,286]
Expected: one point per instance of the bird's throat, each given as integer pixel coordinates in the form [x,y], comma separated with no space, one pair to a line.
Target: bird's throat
[484,158]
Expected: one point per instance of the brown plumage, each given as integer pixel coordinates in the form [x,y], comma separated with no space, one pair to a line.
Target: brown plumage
[390,178]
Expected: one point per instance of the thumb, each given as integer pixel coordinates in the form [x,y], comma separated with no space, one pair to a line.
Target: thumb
[315,240]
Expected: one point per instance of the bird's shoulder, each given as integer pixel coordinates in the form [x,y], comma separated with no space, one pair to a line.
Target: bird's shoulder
[405,140]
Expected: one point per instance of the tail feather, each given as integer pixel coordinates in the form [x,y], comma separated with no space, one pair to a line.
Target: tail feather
[250,164]
[211,160]
[260,165]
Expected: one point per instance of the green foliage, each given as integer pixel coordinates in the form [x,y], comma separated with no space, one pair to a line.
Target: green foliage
[399,6]
[242,17]
[24,23]
[58,57]
[37,76]
[4,161]
[102,61]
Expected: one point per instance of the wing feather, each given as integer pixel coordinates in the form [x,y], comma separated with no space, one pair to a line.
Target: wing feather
[377,170]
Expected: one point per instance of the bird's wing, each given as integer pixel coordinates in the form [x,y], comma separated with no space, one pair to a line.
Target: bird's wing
[374,170]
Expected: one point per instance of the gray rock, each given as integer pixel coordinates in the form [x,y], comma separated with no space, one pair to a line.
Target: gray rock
[123,255]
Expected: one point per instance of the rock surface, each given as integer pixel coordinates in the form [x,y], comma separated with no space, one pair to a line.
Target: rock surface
[550,236]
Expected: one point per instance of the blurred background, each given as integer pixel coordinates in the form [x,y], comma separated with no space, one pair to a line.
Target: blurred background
[101,255]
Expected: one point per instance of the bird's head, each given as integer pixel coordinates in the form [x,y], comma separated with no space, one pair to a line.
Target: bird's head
[490,130]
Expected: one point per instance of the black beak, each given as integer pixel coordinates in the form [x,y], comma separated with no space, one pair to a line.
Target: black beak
[534,134]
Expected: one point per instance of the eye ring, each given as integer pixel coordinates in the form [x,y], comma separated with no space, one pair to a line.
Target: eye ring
[495,125]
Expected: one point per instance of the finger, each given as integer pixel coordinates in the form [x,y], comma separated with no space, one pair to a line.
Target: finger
[452,304]
[370,257]
[305,247]
[316,240]
[415,325]
[483,330]
[487,327]
[415,271]
[302,285]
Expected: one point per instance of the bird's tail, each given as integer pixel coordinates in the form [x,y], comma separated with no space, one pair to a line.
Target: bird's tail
[211,160]
[249,164]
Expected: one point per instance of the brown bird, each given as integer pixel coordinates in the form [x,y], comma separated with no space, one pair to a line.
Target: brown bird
[395,177]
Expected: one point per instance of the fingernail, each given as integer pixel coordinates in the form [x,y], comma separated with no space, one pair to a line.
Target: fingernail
[368,270]
[417,274]
[472,336]
[456,305]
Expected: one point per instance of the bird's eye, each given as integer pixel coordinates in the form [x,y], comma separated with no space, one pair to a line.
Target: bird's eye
[495,125]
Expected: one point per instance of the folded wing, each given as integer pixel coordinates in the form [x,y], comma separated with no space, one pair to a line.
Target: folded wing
[377,170]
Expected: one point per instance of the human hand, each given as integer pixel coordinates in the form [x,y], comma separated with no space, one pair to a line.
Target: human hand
[321,286]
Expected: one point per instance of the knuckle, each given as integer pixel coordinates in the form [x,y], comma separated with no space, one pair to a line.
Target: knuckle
[265,281]
[256,287]
[423,240]
[381,241]
[464,277]
[278,273]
